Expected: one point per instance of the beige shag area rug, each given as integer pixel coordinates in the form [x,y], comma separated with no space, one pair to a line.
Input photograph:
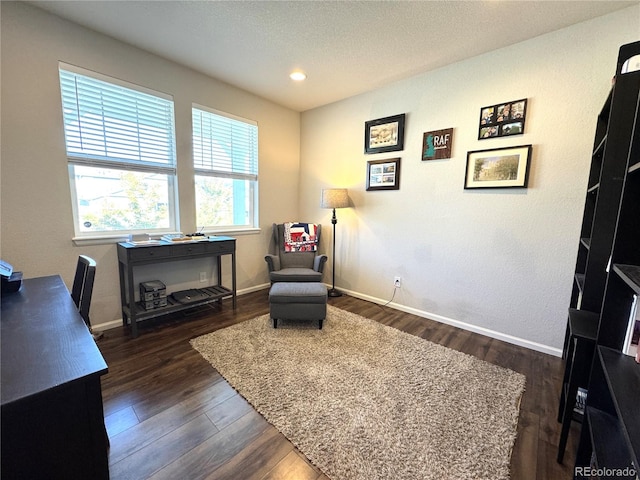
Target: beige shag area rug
[365,401]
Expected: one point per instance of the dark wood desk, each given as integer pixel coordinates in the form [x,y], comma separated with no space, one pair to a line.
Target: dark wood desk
[131,255]
[52,417]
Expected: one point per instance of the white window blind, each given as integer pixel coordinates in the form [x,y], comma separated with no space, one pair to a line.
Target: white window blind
[225,160]
[224,145]
[109,122]
[120,145]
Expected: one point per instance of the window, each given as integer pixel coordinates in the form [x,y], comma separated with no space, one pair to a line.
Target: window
[120,141]
[225,160]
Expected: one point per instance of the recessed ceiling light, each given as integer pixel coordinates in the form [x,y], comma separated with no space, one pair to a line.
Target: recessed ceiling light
[298,76]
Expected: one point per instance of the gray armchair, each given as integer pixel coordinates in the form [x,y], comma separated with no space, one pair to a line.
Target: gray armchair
[294,266]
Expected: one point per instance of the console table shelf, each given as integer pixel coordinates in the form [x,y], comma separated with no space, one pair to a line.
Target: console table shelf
[213,294]
[131,255]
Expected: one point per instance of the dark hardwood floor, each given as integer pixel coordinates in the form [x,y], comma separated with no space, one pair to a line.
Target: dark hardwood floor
[170,415]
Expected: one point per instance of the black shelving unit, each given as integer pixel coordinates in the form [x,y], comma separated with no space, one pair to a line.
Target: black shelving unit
[599,308]
[610,436]
[614,128]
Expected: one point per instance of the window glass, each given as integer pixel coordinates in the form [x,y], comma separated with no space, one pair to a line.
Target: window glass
[121,200]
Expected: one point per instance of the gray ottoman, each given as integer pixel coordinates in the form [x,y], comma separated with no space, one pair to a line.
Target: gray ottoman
[298,301]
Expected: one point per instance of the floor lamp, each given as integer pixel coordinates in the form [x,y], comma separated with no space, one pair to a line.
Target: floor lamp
[334,198]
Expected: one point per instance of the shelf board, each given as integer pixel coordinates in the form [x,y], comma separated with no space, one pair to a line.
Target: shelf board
[213,293]
[600,147]
[584,324]
[630,274]
[635,167]
[607,440]
[623,378]
[593,188]
[586,241]
[579,278]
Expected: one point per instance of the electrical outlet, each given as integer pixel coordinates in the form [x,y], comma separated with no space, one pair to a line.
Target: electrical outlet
[203,277]
[397,282]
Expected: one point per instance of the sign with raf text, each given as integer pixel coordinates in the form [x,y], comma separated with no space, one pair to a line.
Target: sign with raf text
[436,145]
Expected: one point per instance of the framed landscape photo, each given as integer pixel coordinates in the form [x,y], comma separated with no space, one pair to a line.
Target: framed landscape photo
[503,119]
[384,134]
[498,168]
[383,174]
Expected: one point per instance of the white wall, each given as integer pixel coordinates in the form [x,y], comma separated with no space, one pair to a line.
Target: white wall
[494,261]
[36,212]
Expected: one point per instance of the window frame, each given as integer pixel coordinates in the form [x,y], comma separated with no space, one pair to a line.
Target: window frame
[122,164]
[251,177]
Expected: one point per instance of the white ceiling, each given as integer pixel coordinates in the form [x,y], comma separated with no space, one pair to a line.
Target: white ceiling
[344,47]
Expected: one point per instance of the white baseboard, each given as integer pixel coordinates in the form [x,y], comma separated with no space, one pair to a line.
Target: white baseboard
[101,327]
[556,352]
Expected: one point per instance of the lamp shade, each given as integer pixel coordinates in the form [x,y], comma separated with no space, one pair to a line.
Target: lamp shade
[335,198]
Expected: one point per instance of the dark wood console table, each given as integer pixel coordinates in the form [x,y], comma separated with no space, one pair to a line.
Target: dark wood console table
[131,255]
[52,415]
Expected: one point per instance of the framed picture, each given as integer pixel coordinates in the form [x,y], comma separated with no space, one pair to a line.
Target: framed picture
[436,145]
[384,134]
[383,174]
[501,120]
[498,168]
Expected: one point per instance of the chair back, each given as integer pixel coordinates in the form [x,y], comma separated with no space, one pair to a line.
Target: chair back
[293,259]
[83,286]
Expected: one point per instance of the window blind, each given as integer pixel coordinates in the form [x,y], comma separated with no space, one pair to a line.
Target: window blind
[108,122]
[224,144]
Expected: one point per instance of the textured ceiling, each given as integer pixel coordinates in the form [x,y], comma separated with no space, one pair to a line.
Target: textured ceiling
[344,47]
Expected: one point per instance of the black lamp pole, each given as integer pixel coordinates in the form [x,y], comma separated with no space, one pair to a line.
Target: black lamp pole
[334,198]
[333,292]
